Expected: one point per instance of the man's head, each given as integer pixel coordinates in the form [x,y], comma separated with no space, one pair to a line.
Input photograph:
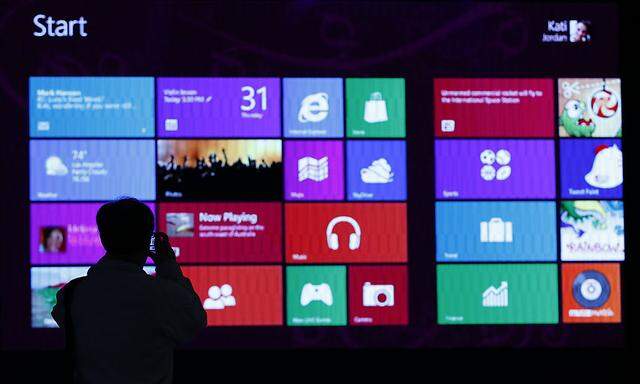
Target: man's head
[126,226]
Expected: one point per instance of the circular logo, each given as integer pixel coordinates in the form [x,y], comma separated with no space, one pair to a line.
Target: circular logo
[591,289]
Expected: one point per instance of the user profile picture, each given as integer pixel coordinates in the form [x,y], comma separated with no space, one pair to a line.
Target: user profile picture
[53,239]
[579,31]
[591,289]
[180,224]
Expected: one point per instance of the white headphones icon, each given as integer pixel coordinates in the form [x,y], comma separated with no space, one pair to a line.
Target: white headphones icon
[354,238]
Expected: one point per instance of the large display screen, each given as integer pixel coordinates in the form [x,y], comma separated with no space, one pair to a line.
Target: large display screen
[334,180]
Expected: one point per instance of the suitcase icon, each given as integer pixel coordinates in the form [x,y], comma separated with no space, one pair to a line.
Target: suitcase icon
[496,230]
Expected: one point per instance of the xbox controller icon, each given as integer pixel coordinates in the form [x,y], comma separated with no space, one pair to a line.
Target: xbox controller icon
[320,292]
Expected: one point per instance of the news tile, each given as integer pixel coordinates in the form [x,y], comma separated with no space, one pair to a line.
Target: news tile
[497,293]
[64,106]
[94,170]
[495,169]
[496,231]
[219,170]
[314,170]
[239,295]
[591,168]
[493,107]
[316,295]
[45,284]
[589,107]
[212,233]
[375,107]
[196,107]
[66,233]
[591,293]
[313,107]
[376,170]
[592,230]
[378,295]
[326,233]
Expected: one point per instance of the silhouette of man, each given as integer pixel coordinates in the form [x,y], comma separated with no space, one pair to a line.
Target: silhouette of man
[123,323]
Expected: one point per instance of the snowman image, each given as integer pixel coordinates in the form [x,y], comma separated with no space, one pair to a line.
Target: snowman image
[606,172]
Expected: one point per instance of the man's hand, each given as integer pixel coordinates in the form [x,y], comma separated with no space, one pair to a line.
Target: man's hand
[163,248]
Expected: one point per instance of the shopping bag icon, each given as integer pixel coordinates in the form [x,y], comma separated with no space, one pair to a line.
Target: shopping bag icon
[375,109]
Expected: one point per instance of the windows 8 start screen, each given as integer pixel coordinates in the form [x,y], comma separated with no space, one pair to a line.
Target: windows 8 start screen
[339,175]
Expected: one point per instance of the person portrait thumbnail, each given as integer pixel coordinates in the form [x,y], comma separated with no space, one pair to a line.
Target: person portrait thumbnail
[53,239]
[579,31]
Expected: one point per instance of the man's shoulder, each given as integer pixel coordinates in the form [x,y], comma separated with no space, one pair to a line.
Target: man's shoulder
[110,279]
[71,286]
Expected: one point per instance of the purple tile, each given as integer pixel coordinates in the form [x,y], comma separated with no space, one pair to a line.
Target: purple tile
[495,169]
[314,170]
[218,107]
[66,233]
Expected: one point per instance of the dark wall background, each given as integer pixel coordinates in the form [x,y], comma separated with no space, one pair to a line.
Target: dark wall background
[415,40]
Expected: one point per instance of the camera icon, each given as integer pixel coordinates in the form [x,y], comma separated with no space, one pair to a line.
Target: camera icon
[377,295]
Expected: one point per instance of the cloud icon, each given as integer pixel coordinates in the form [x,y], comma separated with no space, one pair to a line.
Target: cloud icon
[55,166]
[379,172]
